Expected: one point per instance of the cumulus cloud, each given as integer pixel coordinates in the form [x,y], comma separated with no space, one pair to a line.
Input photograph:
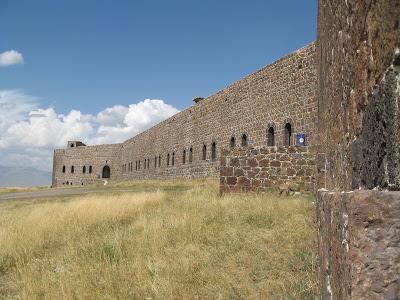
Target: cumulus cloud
[119,122]
[11,57]
[29,133]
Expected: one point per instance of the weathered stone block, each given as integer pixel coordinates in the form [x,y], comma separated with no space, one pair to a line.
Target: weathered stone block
[231,180]
[252,162]
[256,183]
[275,163]
[263,163]
[359,244]
[238,172]
[234,162]
[243,181]
[226,171]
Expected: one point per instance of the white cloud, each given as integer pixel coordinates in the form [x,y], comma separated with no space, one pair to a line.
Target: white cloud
[119,122]
[29,133]
[11,57]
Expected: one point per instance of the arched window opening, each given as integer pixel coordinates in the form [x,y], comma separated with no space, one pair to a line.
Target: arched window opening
[63,169]
[190,155]
[184,157]
[84,169]
[271,137]
[245,141]
[72,169]
[135,165]
[106,172]
[288,135]
[173,158]
[148,163]
[168,160]
[90,169]
[213,151]
[145,163]
[159,161]
[204,152]
[67,182]
[232,142]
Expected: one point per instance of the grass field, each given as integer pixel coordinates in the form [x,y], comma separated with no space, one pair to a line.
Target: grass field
[165,240]
[21,189]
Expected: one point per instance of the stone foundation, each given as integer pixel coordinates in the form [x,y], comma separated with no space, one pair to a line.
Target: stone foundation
[359,244]
[257,169]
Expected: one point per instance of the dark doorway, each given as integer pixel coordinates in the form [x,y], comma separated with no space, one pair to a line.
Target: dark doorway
[244,140]
[106,172]
[271,137]
[288,134]
[213,151]
[232,142]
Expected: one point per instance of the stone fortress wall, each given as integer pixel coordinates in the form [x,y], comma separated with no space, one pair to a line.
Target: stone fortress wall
[88,163]
[344,94]
[260,169]
[280,93]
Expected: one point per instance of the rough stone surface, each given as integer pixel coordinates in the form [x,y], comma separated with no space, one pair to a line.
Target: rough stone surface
[95,157]
[281,92]
[359,244]
[358,79]
[257,169]
[359,143]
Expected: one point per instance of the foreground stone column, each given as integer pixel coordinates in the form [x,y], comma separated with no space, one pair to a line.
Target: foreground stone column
[358,94]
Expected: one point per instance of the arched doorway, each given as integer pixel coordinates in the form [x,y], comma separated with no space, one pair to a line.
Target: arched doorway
[288,134]
[106,172]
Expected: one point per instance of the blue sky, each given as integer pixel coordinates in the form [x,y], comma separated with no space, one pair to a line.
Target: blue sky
[104,71]
[89,55]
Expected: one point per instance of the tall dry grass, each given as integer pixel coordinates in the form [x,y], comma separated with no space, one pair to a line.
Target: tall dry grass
[190,244]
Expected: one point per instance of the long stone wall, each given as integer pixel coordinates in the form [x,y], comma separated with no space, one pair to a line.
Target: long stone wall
[280,93]
[259,169]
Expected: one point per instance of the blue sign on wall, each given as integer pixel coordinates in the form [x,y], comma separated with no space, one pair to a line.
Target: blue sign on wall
[301,139]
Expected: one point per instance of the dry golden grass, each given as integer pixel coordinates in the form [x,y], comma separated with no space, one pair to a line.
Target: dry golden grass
[7,190]
[171,244]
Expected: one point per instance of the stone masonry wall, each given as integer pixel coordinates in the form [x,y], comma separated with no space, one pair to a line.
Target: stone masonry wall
[95,156]
[358,73]
[281,92]
[257,169]
[359,238]
[358,65]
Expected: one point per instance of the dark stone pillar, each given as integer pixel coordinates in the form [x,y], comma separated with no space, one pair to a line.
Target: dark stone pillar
[358,63]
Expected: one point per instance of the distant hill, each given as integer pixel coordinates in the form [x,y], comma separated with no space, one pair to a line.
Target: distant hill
[23,176]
